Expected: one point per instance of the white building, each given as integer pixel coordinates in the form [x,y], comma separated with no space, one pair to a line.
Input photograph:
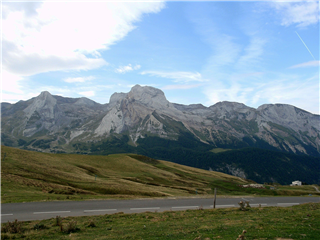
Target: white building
[296,183]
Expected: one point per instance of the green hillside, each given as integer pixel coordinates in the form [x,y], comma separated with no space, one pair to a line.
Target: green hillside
[34,176]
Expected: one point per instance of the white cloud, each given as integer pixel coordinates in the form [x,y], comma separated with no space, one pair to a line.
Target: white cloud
[11,98]
[128,68]
[78,79]
[10,82]
[177,76]
[301,14]
[39,37]
[307,64]
[23,64]
[87,93]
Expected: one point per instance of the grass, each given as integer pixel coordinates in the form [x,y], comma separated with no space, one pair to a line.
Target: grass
[28,176]
[219,150]
[232,188]
[32,176]
[297,222]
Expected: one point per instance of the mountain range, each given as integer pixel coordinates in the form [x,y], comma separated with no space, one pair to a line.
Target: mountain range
[143,121]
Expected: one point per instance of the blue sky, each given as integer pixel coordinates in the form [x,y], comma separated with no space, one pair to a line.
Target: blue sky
[251,52]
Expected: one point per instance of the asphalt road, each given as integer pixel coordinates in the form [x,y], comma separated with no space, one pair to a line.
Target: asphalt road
[46,210]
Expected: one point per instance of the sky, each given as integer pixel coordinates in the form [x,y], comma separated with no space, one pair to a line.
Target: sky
[251,52]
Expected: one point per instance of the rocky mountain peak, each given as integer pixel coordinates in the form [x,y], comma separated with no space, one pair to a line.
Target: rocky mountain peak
[226,108]
[149,96]
[85,101]
[138,92]
[282,112]
[44,95]
[289,116]
[117,97]
[228,105]
[44,101]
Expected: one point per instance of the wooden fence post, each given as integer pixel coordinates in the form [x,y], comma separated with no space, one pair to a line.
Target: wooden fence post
[215,195]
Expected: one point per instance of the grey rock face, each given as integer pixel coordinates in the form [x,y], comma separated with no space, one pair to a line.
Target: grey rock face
[44,103]
[145,111]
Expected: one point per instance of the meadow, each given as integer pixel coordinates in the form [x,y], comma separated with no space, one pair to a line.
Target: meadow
[297,222]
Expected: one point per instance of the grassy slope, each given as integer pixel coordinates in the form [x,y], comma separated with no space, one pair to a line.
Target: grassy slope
[33,176]
[219,150]
[297,222]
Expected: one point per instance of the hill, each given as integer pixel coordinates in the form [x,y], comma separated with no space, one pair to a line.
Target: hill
[34,176]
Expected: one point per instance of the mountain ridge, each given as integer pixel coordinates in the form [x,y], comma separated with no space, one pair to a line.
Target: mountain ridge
[145,111]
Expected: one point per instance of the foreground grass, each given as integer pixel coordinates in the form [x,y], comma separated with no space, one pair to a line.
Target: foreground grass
[297,222]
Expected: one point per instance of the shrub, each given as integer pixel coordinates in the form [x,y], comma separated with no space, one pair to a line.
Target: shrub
[242,237]
[39,226]
[92,224]
[4,236]
[12,227]
[72,227]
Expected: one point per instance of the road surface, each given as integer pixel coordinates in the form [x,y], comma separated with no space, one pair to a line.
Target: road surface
[45,210]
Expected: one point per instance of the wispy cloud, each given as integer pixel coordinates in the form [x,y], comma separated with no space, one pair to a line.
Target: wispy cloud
[78,79]
[253,54]
[247,75]
[87,93]
[128,68]
[290,89]
[236,61]
[177,76]
[307,64]
[181,87]
[277,88]
[301,14]
[228,92]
